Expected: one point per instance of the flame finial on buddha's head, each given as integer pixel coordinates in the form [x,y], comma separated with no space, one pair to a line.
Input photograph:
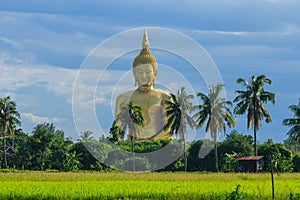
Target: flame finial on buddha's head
[145,56]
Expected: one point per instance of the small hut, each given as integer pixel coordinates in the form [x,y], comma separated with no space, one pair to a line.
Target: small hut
[10,153]
[8,150]
[250,163]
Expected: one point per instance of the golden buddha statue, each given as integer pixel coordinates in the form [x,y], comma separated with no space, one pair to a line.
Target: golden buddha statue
[150,100]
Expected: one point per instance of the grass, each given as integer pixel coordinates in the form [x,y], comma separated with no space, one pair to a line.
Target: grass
[94,185]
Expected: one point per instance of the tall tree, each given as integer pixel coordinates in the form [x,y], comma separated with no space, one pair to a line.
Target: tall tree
[86,135]
[294,123]
[178,110]
[130,118]
[252,101]
[9,119]
[292,144]
[238,143]
[46,148]
[214,109]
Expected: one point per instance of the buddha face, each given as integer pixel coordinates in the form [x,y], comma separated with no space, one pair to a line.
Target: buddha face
[144,74]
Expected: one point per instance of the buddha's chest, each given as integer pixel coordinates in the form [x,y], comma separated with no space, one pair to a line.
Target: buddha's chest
[146,99]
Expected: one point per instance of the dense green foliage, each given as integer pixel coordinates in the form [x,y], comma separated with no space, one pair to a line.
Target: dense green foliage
[296,163]
[280,154]
[46,148]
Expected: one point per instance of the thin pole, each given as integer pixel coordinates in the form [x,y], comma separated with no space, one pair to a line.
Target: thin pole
[272,177]
[132,154]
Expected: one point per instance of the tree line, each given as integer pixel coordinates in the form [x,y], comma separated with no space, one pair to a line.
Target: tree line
[47,148]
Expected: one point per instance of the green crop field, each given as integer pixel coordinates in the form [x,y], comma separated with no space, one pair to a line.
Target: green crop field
[81,185]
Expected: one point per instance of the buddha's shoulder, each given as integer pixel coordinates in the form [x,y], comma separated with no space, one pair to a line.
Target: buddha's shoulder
[125,96]
[163,94]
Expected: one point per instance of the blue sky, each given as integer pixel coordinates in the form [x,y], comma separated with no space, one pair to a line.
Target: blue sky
[44,43]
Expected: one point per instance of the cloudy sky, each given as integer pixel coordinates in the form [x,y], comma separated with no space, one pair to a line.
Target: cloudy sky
[46,46]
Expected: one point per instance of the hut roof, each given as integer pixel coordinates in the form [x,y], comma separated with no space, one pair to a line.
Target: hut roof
[249,158]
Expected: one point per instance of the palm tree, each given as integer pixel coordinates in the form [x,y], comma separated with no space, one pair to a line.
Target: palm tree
[86,135]
[9,119]
[130,118]
[214,109]
[178,109]
[294,132]
[114,132]
[252,101]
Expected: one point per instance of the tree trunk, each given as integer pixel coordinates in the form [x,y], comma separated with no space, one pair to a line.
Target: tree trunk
[272,177]
[185,157]
[4,147]
[255,145]
[255,124]
[4,151]
[132,154]
[216,156]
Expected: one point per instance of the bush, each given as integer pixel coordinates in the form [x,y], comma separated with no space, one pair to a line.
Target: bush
[230,164]
[296,163]
[280,155]
[141,164]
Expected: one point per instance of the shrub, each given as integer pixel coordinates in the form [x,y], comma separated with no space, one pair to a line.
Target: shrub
[296,163]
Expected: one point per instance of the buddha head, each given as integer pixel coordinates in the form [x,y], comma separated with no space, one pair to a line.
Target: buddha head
[145,65]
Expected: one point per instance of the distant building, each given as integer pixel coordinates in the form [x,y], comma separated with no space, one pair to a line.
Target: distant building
[250,163]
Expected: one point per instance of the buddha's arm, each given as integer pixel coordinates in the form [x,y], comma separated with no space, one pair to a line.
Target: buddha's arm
[122,100]
[119,102]
[166,132]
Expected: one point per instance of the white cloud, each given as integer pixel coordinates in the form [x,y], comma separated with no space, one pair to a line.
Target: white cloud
[11,42]
[35,119]
[58,80]
[39,119]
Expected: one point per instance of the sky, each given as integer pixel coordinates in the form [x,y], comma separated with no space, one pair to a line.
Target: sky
[46,46]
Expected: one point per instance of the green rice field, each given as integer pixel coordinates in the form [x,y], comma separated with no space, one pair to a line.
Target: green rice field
[96,185]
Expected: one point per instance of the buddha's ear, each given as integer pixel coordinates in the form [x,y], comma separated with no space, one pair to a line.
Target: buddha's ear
[155,68]
[154,81]
[134,71]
